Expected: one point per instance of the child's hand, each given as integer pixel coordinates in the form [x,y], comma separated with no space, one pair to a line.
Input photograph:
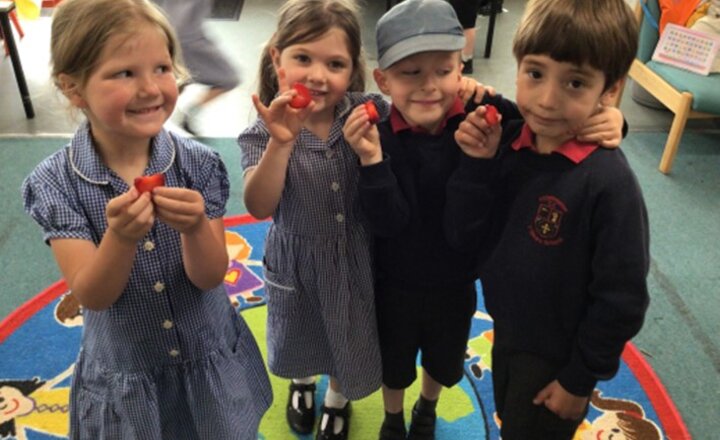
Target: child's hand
[363,136]
[603,127]
[468,87]
[130,215]
[564,404]
[477,137]
[283,121]
[180,208]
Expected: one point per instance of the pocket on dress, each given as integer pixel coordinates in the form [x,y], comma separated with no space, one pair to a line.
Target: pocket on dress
[97,418]
[282,298]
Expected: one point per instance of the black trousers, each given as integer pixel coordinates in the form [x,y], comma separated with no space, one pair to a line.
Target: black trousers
[517,378]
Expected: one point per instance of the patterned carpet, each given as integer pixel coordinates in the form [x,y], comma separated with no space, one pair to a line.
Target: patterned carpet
[39,342]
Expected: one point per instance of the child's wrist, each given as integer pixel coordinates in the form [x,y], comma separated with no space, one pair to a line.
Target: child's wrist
[371,159]
[276,145]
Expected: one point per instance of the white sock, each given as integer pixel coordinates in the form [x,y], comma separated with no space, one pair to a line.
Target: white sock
[333,399]
[304,380]
[307,394]
[467,57]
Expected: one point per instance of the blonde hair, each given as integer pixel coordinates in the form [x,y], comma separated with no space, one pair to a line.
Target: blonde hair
[301,21]
[82,28]
[601,33]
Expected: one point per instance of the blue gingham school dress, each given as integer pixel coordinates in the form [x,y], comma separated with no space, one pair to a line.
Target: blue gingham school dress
[167,360]
[317,266]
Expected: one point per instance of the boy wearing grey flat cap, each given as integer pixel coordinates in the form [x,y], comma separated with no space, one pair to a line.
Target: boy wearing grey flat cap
[425,291]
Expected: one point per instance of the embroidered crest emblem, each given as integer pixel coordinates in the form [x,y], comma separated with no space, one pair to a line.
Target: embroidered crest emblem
[545,228]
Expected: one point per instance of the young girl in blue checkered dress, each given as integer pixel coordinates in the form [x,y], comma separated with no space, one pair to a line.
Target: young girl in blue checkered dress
[164,355]
[300,170]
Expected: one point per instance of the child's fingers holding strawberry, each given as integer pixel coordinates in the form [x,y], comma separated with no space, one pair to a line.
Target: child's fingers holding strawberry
[362,136]
[282,122]
[476,137]
[180,208]
[130,215]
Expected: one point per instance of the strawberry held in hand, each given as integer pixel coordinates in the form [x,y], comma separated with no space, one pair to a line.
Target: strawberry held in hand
[302,98]
[491,115]
[147,183]
[372,112]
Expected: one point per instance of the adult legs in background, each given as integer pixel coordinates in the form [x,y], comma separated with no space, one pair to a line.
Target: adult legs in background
[207,64]
[467,11]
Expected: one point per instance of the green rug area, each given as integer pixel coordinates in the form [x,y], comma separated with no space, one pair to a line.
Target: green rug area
[40,340]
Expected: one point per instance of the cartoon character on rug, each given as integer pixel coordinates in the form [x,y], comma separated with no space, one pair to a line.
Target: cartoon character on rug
[35,405]
[479,348]
[240,281]
[620,419]
[68,311]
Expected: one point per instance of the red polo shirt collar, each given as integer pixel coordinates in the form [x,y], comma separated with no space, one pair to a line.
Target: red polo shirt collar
[573,149]
[398,123]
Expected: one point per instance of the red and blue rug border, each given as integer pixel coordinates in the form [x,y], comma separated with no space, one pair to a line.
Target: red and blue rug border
[670,419]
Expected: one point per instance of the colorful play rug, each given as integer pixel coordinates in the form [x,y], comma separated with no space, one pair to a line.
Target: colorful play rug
[39,342]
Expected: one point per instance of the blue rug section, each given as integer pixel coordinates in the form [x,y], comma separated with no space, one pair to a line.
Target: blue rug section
[45,345]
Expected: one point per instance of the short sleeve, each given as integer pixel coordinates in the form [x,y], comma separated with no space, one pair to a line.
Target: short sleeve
[253,142]
[205,172]
[49,198]
[216,190]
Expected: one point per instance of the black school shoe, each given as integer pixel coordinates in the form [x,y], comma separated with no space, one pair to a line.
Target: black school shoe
[329,432]
[389,431]
[422,426]
[467,67]
[485,8]
[302,418]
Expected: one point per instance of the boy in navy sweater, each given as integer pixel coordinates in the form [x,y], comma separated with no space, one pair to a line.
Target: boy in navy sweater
[560,226]
[425,290]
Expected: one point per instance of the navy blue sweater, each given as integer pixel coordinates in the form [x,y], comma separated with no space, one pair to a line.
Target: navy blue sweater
[403,198]
[563,253]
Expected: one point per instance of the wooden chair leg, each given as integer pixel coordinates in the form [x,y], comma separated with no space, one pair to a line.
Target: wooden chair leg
[16,23]
[675,134]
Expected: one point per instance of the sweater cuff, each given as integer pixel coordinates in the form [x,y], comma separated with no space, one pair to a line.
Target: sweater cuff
[379,174]
[576,379]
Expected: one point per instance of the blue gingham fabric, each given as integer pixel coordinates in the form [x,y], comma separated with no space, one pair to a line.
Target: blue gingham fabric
[167,360]
[321,311]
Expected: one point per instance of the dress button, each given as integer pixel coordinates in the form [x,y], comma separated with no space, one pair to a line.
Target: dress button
[335,186]
[174,353]
[167,324]
[329,154]
[149,246]
[159,287]
[340,218]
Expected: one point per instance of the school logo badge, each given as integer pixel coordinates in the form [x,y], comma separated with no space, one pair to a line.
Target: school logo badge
[545,228]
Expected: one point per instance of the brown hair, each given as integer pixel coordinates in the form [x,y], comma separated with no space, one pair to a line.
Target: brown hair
[301,21]
[82,28]
[601,33]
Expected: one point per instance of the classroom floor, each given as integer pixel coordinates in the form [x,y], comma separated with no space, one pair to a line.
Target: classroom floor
[242,40]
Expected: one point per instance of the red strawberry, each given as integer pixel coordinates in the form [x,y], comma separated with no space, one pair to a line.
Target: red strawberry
[491,114]
[147,183]
[372,112]
[302,98]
